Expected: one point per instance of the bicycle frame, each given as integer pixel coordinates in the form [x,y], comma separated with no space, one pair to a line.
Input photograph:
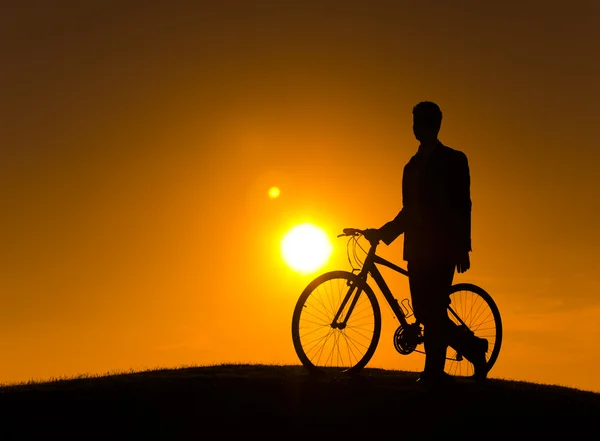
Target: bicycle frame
[370,267]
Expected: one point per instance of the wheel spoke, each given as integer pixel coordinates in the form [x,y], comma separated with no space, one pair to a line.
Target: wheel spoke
[312,313]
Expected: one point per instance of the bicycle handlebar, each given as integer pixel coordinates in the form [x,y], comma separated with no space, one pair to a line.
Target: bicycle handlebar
[351,232]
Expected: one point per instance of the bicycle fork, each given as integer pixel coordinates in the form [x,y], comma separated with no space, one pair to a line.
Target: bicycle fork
[336,323]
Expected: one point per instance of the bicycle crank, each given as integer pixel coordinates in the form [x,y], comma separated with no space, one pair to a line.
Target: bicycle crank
[406,339]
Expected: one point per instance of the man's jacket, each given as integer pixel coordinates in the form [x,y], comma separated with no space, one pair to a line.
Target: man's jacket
[436,207]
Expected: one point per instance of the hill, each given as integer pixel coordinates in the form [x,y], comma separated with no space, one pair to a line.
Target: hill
[286,402]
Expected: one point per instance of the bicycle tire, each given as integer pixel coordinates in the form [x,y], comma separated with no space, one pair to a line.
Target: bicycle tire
[479,312]
[320,346]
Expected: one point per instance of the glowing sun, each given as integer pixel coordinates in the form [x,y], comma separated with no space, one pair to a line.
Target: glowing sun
[306,248]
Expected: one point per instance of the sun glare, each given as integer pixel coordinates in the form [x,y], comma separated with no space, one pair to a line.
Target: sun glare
[274,192]
[306,248]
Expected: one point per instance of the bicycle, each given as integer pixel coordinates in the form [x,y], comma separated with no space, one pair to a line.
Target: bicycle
[336,323]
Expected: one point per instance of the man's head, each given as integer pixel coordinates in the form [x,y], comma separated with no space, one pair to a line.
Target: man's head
[427,120]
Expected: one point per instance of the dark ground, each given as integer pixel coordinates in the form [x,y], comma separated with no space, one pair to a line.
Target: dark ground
[285,402]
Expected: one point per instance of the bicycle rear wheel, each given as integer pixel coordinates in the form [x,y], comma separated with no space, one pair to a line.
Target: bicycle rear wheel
[478,311]
[322,345]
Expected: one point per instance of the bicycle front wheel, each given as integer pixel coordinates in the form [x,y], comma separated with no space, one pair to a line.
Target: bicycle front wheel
[347,344]
[478,311]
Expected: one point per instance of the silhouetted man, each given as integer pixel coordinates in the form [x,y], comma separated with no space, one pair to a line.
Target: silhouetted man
[436,222]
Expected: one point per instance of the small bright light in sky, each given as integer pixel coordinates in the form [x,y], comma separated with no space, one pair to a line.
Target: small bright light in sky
[274,192]
[306,248]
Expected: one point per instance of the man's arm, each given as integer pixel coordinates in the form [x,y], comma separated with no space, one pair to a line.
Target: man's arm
[462,210]
[394,228]
[463,204]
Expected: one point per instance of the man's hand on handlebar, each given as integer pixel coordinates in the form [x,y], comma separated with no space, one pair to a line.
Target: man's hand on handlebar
[372,234]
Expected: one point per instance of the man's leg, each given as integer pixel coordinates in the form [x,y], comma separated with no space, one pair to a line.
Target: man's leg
[430,284]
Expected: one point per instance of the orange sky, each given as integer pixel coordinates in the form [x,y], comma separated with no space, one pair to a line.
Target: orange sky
[138,143]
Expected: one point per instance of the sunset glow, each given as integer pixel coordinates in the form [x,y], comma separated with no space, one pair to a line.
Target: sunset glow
[159,168]
[306,248]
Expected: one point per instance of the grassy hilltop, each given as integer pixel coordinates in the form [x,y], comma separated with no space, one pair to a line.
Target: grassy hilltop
[286,402]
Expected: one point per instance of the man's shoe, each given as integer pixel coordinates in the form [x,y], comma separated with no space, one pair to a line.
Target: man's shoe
[435,379]
[480,348]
